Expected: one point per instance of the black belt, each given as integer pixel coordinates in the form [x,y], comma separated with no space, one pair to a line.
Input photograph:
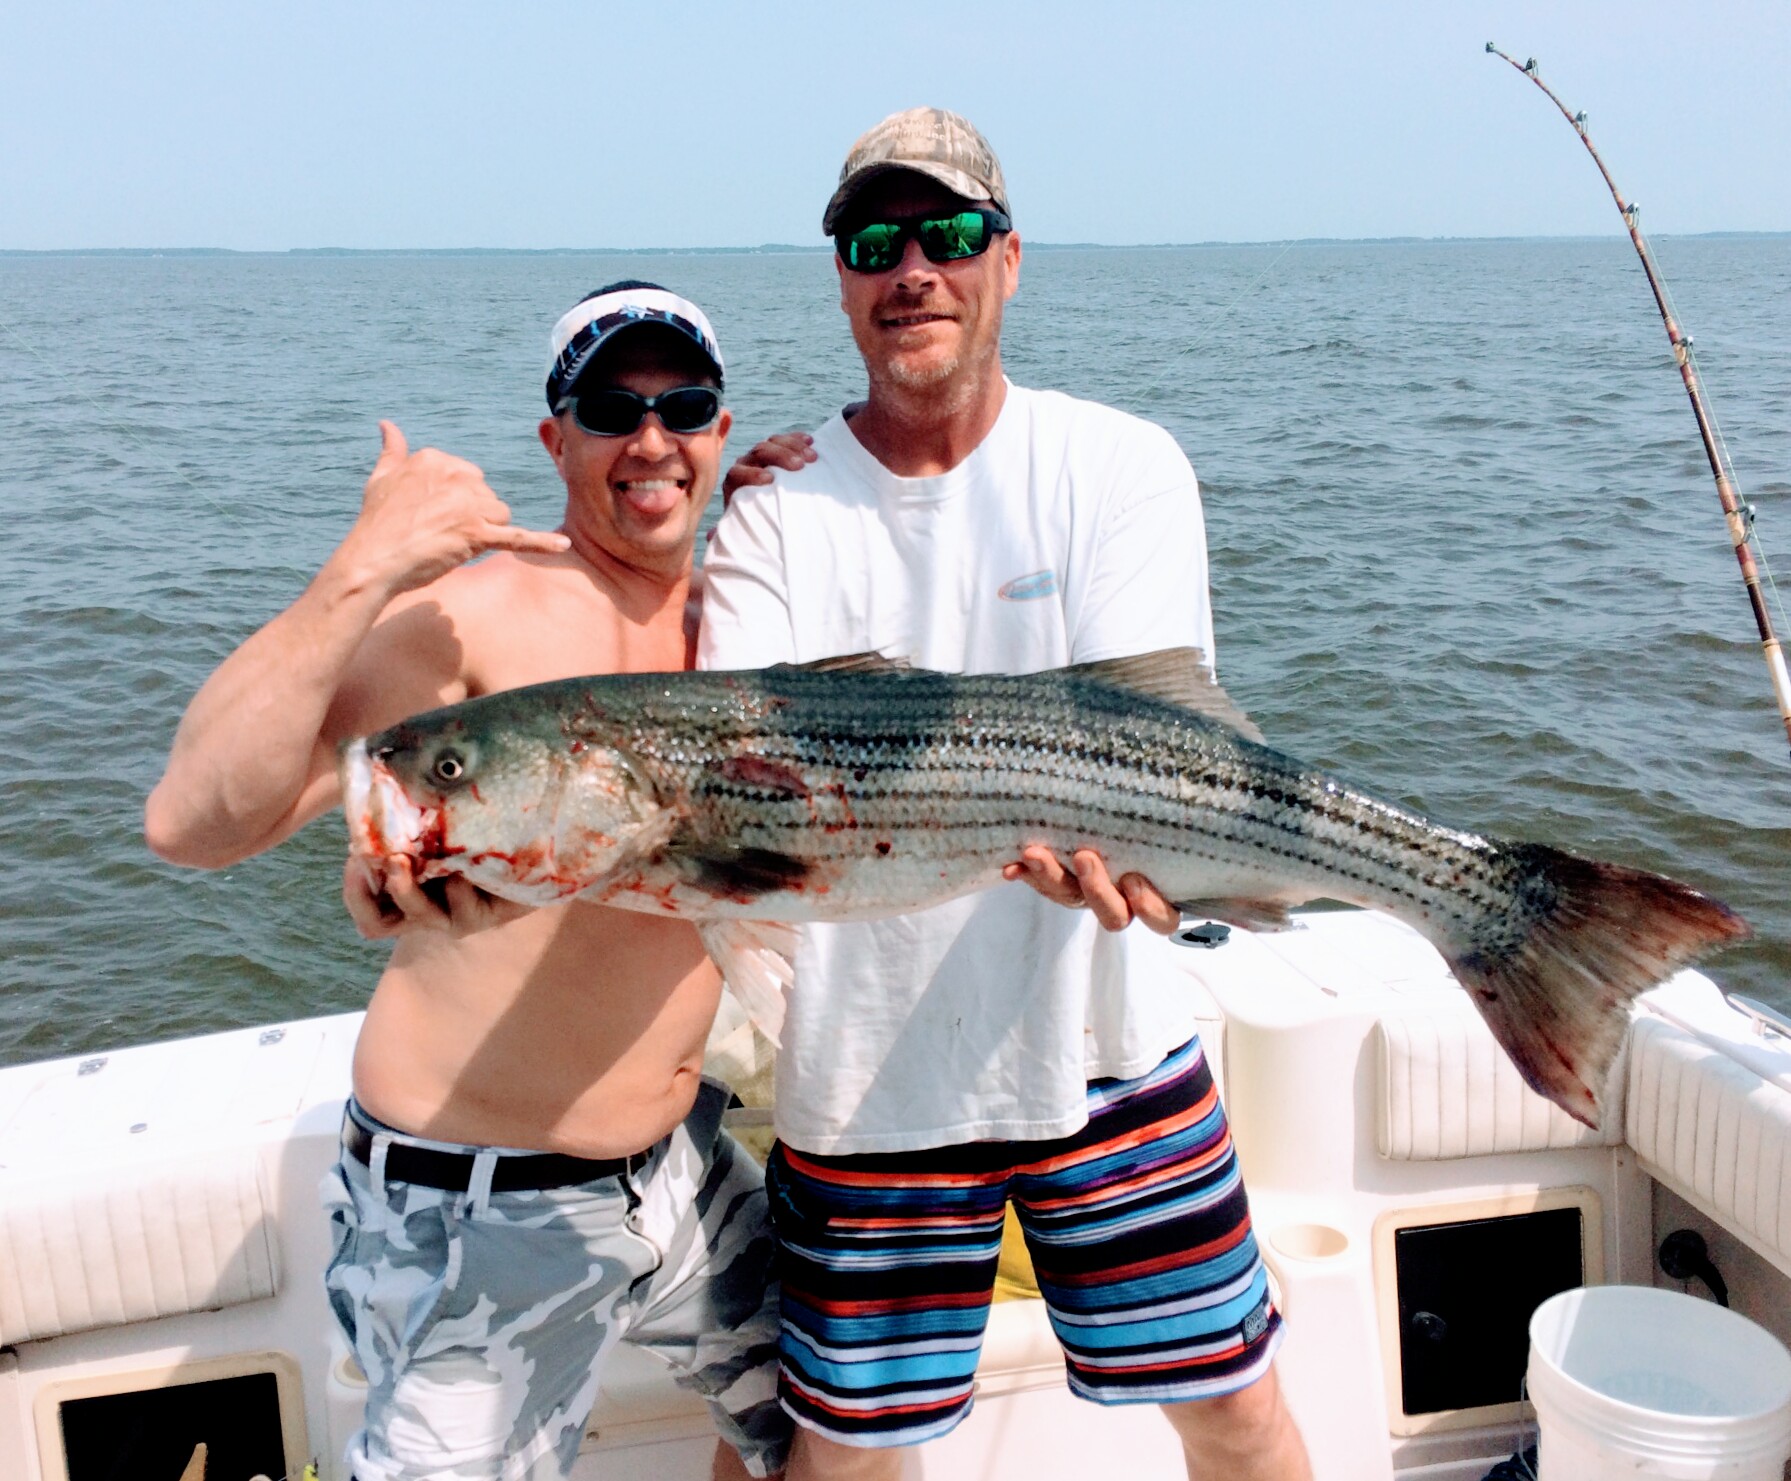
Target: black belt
[515,1172]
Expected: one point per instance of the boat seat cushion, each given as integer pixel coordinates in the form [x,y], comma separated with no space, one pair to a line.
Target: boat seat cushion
[1448,1090]
[1714,1132]
[102,1246]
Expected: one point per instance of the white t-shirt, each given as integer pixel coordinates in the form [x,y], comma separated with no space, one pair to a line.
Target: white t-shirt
[1073,532]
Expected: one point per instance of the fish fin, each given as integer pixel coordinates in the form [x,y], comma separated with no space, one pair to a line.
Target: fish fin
[1252,915]
[754,957]
[850,663]
[1557,987]
[1179,676]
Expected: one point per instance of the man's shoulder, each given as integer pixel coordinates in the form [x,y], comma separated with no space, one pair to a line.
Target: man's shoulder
[842,476]
[497,580]
[1079,419]
[1099,445]
[507,612]
[841,463]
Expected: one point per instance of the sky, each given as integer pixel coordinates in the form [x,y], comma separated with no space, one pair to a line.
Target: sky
[395,124]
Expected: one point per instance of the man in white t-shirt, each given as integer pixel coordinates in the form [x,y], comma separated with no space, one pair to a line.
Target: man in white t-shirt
[937,1066]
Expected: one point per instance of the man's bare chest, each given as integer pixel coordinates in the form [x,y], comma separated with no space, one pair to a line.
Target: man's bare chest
[512,655]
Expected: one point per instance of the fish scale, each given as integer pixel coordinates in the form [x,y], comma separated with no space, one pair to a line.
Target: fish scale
[1064,787]
[1006,772]
[859,789]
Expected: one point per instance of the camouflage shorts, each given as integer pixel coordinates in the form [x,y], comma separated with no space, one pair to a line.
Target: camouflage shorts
[482,1323]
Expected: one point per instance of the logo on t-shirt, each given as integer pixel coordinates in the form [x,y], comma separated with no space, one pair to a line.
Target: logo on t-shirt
[1030,588]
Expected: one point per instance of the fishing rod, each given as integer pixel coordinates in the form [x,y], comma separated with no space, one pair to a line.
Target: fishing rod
[1737,511]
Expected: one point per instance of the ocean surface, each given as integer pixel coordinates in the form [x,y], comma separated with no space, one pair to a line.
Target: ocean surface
[1465,544]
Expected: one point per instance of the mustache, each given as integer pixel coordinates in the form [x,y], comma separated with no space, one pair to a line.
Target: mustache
[895,307]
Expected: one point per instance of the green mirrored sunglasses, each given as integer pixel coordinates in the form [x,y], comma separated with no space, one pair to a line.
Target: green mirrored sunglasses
[877,246]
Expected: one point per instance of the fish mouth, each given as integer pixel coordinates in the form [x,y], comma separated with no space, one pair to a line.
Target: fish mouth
[383,822]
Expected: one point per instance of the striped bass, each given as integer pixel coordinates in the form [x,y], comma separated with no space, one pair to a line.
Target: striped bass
[856,788]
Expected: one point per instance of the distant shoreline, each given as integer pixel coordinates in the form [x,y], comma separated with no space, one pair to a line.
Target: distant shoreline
[772,249]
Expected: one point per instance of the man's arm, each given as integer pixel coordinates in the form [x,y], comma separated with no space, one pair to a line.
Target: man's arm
[254,757]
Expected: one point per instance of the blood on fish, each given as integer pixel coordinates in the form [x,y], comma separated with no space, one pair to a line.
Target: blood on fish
[757,771]
[432,838]
[529,861]
[835,825]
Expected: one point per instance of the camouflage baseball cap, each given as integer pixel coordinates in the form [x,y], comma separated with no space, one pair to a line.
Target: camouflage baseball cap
[930,141]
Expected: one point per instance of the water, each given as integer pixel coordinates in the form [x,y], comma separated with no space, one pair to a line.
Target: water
[1465,546]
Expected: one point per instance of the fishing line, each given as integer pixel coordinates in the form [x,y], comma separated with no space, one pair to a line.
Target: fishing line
[1737,512]
[1722,442]
[124,436]
[1747,505]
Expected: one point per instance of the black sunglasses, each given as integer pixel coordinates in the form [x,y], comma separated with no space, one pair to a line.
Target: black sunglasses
[609,411]
[878,246]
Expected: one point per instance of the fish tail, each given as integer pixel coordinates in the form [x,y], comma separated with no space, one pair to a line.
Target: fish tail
[1555,974]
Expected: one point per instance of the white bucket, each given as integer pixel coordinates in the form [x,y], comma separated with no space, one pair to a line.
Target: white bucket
[1630,1382]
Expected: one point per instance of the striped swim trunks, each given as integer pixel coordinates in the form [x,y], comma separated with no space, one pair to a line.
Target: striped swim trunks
[1139,1233]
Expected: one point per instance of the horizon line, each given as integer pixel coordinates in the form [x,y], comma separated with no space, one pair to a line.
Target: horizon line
[798,249]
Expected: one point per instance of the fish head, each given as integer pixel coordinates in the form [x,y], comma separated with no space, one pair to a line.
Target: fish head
[518,812]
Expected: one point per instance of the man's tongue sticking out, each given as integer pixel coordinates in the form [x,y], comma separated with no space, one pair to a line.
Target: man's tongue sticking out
[652,498]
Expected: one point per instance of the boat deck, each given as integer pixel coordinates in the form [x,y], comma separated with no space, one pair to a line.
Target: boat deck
[158,1214]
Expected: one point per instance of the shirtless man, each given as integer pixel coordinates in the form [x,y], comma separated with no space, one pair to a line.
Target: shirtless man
[531,1154]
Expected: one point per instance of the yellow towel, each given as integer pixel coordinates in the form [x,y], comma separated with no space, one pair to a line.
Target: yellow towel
[1014,1279]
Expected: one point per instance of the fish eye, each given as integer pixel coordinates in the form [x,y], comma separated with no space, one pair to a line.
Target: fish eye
[450,767]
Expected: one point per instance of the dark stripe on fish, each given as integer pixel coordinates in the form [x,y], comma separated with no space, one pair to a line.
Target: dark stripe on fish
[746,873]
